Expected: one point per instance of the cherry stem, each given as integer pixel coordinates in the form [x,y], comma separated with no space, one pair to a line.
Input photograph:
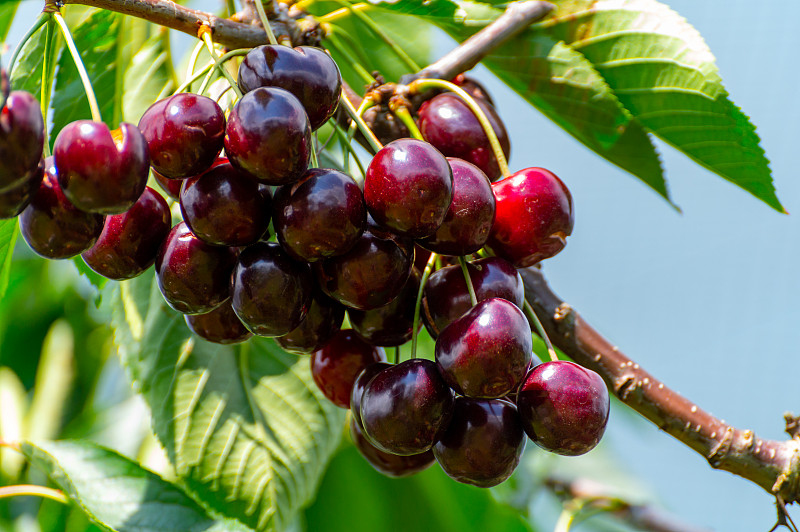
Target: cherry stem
[421,85]
[348,149]
[314,160]
[47,78]
[206,36]
[402,112]
[339,13]
[397,354]
[76,57]
[265,22]
[196,76]
[40,21]
[373,141]
[467,279]
[341,48]
[206,81]
[193,59]
[418,305]
[537,323]
[34,491]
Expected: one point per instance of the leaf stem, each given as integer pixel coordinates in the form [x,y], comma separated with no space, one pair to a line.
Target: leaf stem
[205,33]
[373,141]
[47,80]
[418,305]
[468,280]
[421,85]
[33,491]
[348,149]
[265,21]
[76,57]
[40,21]
[537,323]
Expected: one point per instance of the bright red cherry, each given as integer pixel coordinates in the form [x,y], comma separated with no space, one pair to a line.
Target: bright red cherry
[388,464]
[408,188]
[21,139]
[323,319]
[564,407]
[534,217]
[220,326]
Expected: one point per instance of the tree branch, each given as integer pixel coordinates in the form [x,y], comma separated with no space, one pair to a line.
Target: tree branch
[773,465]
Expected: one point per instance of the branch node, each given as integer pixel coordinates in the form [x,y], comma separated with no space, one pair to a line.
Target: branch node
[792,425]
[624,385]
[721,449]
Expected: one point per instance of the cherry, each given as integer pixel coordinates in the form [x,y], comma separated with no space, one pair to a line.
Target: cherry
[470,216]
[406,408]
[184,133]
[534,217]
[408,188]
[21,139]
[485,353]
[371,274]
[52,226]
[100,170]
[129,242]
[483,442]
[271,292]
[388,464]
[336,365]
[269,136]
[171,187]
[446,297]
[392,324]
[220,326]
[450,125]
[14,200]
[223,206]
[324,318]
[357,393]
[386,126]
[308,73]
[473,88]
[564,407]
[194,277]
[320,216]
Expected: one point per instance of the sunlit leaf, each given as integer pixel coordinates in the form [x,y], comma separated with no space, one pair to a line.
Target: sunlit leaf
[8,236]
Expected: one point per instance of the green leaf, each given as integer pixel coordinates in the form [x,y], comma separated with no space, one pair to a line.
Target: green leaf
[8,236]
[7,12]
[26,75]
[148,79]
[118,494]
[245,427]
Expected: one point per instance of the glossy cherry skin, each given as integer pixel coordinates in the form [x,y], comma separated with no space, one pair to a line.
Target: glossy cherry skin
[185,134]
[408,188]
[100,170]
[564,407]
[357,393]
[271,292]
[534,217]
[473,88]
[320,216]
[223,206]
[336,365]
[269,136]
[130,241]
[14,200]
[52,226]
[194,277]
[470,216]
[446,297]
[486,352]
[449,124]
[323,319]
[171,187]
[387,464]
[220,326]
[406,408]
[308,73]
[483,442]
[371,274]
[390,325]
[21,139]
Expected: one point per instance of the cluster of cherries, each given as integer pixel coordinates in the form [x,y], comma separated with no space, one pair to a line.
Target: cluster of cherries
[333,248]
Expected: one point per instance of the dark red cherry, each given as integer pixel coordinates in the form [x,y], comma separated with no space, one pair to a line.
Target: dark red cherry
[14,200]
[21,139]
[129,242]
[194,277]
[483,442]
[223,206]
[392,324]
[52,226]
[320,216]
[406,408]
[473,88]
[357,393]
[446,297]
[184,133]
[564,407]
[449,124]
[534,217]
[371,274]
[220,326]
[324,318]
[308,73]
[486,352]
[336,365]
[100,170]
[271,292]
[470,216]
[171,187]
[408,188]
[269,136]
[387,464]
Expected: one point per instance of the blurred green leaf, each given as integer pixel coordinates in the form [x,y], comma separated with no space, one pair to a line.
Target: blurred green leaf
[148,79]
[8,236]
[7,11]
[245,427]
[12,421]
[26,75]
[116,493]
